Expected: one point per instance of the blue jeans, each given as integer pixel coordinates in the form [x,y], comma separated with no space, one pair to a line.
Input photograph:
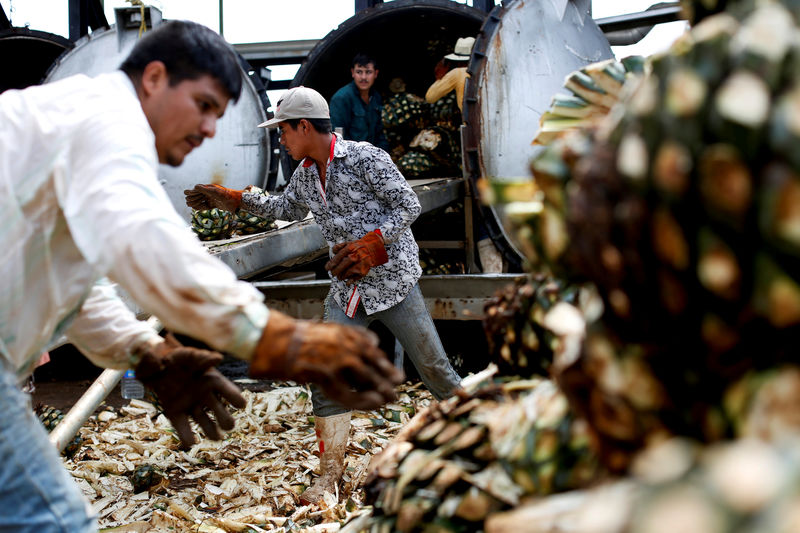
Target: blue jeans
[413,326]
[37,494]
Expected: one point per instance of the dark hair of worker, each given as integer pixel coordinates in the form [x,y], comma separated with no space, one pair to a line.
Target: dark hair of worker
[189,51]
[363,60]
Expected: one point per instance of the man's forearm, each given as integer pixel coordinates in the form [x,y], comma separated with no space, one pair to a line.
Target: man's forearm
[278,206]
[106,331]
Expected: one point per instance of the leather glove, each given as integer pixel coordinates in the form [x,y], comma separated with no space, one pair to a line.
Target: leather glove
[213,195]
[344,361]
[354,259]
[187,386]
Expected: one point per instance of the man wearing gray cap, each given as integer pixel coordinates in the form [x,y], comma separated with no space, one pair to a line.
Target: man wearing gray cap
[365,208]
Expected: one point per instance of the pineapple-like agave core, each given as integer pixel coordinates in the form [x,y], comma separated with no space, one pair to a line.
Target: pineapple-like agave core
[680,207]
[212,224]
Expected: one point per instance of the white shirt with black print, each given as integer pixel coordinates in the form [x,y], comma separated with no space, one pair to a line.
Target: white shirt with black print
[364,191]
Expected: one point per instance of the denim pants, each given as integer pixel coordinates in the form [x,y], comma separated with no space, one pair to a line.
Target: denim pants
[37,494]
[413,326]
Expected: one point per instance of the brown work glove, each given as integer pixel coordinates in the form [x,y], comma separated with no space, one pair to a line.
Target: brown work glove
[213,195]
[187,385]
[354,259]
[344,361]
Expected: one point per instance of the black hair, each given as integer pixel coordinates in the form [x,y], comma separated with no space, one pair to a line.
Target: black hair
[321,125]
[363,60]
[189,51]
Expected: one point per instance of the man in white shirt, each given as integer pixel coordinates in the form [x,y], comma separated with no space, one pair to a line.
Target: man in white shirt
[83,207]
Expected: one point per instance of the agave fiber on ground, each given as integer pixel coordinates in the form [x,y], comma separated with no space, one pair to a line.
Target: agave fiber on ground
[248,482]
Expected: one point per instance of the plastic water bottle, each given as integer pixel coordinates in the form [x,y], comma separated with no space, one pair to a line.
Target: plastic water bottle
[132,388]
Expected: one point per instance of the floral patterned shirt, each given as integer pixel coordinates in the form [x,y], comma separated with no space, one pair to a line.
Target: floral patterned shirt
[364,191]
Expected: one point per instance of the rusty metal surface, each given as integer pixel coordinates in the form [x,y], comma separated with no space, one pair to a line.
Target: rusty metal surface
[237,156]
[254,255]
[451,297]
[521,56]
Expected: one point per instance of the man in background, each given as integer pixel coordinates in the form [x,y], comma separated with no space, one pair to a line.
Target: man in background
[356,107]
[451,73]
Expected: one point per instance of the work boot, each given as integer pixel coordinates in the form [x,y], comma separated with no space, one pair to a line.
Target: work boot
[332,435]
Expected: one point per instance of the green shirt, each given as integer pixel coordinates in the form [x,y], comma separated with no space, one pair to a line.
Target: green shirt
[359,121]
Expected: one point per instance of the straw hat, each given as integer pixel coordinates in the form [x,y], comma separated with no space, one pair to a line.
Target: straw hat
[462,50]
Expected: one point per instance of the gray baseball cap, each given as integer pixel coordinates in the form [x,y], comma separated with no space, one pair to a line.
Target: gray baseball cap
[298,102]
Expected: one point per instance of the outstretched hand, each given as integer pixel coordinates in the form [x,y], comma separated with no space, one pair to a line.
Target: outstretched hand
[189,387]
[213,195]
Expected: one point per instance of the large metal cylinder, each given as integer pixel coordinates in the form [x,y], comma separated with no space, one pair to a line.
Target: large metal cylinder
[237,156]
[523,53]
[25,56]
[406,37]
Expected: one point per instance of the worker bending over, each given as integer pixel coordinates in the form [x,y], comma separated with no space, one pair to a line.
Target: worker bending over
[83,205]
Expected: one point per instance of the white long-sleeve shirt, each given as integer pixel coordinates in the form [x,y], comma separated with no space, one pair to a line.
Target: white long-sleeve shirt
[80,201]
